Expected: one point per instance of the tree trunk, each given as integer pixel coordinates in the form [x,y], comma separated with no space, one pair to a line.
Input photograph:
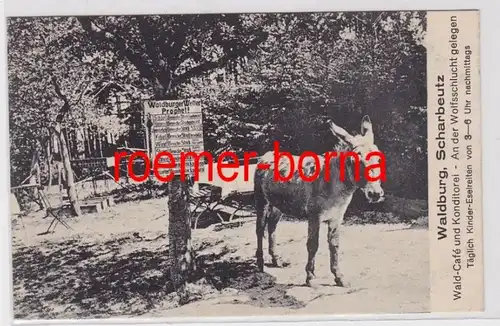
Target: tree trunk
[70,182]
[67,137]
[181,256]
[35,178]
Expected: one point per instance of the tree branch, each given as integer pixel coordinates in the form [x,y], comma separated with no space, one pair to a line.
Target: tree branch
[83,87]
[66,106]
[200,69]
[176,42]
[145,29]
[99,33]
[170,45]
[206,66]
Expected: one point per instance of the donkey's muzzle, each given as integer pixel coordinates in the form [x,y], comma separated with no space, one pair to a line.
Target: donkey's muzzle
[375,197]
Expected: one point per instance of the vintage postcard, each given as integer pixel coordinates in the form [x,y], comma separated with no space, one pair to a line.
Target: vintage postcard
[270,164]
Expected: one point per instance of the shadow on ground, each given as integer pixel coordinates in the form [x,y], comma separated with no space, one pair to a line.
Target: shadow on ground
[74,279]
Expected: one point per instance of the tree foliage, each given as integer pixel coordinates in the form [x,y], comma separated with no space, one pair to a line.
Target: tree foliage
[329,65]
[54,76]
[262,77]
[169,51]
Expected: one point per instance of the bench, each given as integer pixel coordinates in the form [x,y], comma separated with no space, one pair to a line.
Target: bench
[209,199]
[96,205]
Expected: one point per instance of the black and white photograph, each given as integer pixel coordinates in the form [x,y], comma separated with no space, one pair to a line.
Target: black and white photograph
[100,231]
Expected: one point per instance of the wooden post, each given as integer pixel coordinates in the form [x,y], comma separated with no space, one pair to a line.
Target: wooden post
[91,141]
[99,142]
[146,132]
[60,182]
[181,256]
[86,142]
[49,160]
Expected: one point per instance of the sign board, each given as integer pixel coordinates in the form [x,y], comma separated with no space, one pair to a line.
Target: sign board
[177,127]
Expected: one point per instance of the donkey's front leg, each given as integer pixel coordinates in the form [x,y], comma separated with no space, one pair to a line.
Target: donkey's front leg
[333,244]
[312,248]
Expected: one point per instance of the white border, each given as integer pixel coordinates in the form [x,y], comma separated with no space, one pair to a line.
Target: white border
[490,146]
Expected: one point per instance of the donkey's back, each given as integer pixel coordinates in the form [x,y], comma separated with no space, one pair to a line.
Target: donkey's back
[290,195]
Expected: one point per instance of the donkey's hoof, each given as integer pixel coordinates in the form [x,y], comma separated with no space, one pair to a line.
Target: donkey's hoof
[310,276]
[340,281]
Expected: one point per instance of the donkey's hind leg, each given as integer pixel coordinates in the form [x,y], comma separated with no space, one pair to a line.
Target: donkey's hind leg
[333,244]
[273,219]
[312,248]
[260,228]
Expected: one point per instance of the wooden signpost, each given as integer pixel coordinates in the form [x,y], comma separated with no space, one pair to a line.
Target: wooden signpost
[176,126]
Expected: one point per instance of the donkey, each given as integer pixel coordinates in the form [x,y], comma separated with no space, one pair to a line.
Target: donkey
[322,200]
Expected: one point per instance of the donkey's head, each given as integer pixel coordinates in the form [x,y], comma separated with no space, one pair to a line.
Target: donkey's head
[363,144]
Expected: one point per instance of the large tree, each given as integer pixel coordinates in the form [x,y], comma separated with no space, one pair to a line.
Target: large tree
[168,51]
[45,84]
[54,75]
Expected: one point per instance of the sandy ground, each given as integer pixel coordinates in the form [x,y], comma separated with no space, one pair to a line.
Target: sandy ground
[114,265]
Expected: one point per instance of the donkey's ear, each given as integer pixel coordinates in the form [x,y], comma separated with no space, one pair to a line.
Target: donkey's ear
[341,133]
[366,127]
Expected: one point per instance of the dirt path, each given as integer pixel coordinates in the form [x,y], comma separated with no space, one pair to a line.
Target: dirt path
[386,266]
[114,265]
